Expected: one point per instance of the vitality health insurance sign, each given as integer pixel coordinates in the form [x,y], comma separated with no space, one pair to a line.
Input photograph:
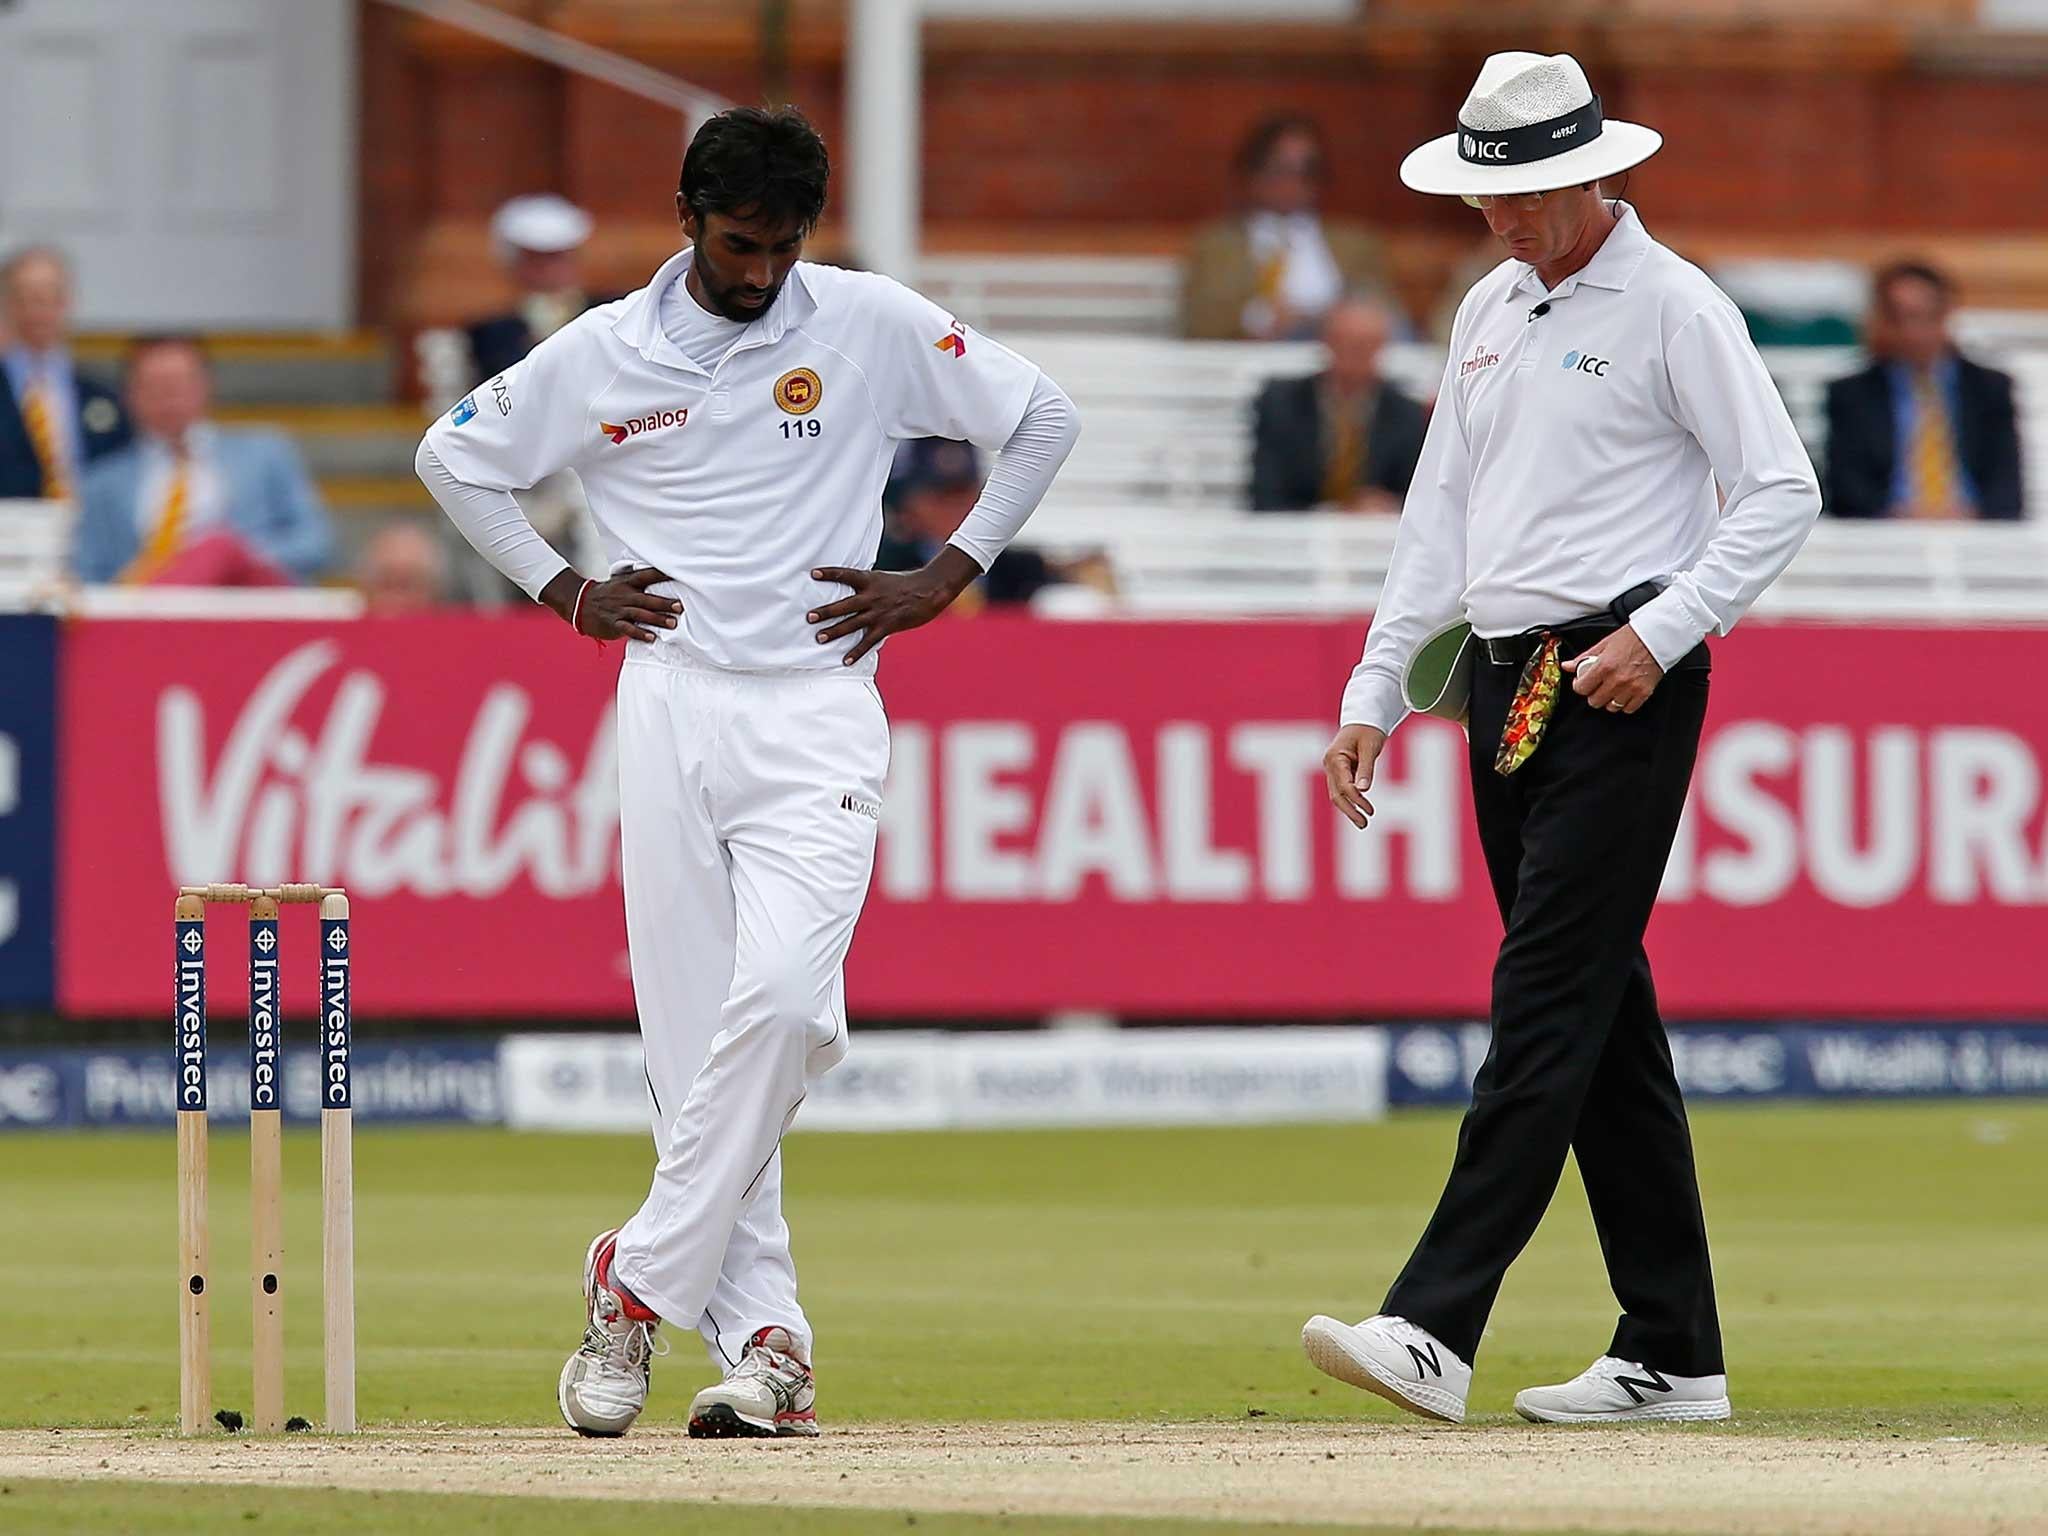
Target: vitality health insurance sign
[1120,816]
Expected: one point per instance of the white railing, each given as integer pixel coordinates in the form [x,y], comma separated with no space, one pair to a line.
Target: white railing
[35,577]
[568,53]
[1218,561]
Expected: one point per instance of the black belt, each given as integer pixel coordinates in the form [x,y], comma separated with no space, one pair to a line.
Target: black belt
[1515,650]
[1576,635]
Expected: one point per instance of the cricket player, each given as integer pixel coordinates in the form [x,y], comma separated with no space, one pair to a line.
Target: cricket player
[1609,477]
[733,423]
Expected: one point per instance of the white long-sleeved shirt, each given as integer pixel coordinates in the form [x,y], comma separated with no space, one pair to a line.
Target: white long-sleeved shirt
[738,478]
[1575,454]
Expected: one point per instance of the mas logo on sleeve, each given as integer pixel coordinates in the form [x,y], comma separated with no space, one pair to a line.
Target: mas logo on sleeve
[799,391]
[465,408]
[954,341]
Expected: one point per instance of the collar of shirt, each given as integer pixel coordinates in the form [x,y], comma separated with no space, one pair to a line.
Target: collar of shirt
[1273,229]
[1361,403]
[199,444]
[205,492]
[1947,373]
[639,321]
[51,368]
[1612,266]
[700,335]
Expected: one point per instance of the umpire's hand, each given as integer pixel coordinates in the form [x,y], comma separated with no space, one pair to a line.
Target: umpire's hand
[1617,675]
[1348,767]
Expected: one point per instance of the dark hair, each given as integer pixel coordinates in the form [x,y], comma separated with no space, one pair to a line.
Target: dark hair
[1258,145]
[758,162]
[1917,272]
[156,341]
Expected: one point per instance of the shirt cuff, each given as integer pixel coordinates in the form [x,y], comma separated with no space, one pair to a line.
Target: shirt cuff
[984,561]
[1665,626]
[1372,698]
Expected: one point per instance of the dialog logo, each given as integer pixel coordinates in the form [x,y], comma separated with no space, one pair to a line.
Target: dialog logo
[639,426]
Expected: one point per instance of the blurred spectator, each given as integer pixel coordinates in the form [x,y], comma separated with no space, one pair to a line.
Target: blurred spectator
[191,503]
[53,419]
[931,490]
[1340,438]
[404,570]
[536,239]
[1477,261]
[1273,269]
[1923,431]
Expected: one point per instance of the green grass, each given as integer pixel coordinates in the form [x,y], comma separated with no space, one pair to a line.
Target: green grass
[116,1509]
[1879,1268]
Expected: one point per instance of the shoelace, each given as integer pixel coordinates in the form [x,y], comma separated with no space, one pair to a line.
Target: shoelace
[631,1350]
[774,1366]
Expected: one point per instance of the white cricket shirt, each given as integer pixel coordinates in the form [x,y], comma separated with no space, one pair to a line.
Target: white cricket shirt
[736,480]
[1575,454]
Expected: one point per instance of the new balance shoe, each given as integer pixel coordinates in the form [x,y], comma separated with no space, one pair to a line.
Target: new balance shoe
[1617,1391]
[604,1384]
[1394,1359]
[770,1392]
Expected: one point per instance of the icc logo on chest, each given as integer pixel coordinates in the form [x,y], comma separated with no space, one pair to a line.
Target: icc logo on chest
[1586,362]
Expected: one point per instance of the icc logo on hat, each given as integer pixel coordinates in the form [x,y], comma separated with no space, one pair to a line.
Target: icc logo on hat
[798,391]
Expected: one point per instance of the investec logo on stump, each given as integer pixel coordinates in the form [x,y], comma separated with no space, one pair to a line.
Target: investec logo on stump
[653,421]
[334,1012]
[263,1014]
[191,1022]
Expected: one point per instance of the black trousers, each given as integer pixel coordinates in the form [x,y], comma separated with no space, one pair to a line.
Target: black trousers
[1576,841]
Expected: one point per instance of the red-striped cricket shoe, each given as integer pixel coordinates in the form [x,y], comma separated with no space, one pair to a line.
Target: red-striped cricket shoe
[770,1392]
[604,1384]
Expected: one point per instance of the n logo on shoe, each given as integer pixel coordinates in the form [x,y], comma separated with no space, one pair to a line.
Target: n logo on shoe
[1630,1384]
[1428,1358]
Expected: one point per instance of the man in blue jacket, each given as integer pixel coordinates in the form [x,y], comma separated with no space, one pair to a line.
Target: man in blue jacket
[192,503]
[53,419]
[1923,432]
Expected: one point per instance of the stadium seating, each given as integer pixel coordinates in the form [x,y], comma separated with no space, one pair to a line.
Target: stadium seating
[1157,479]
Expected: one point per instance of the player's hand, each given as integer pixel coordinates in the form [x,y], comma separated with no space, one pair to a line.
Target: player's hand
[884,602]
[1348,767]
[622,608]
[1617,675]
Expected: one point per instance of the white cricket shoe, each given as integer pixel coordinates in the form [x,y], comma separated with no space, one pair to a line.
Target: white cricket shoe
[770,1392]
[604,1384]
[1391,1357]
[1617,1391]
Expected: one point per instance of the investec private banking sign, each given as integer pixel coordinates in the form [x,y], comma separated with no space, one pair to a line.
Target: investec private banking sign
[1153,834]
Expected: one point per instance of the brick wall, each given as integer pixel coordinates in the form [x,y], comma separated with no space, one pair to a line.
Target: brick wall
[1815,134]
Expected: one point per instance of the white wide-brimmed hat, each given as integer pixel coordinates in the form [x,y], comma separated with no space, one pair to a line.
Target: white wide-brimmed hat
[1530,124]
[541,222]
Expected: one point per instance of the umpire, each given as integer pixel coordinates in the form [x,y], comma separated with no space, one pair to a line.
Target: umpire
[1609,477]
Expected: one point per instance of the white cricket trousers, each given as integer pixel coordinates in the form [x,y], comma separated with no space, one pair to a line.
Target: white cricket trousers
[748,807]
